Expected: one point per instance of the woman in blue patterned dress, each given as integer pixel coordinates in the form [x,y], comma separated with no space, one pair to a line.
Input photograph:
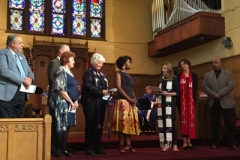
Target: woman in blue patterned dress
[64,101]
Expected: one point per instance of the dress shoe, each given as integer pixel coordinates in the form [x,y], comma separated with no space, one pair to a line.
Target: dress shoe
[100,151]
[89,152]
[71,150]
[213,147]
[58,154]
[233,147]
[67,154]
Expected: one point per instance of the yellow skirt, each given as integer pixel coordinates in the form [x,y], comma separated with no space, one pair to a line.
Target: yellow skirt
[125,118]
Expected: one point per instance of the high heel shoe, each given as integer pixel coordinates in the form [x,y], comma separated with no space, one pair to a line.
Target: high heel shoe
[130,149]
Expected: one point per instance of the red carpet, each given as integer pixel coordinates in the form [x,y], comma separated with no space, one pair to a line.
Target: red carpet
[200,153]
[147,148]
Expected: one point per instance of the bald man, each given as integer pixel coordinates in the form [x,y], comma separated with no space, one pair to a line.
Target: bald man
[218,85]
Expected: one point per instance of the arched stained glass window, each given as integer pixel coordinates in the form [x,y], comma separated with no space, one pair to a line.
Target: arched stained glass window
[83,19]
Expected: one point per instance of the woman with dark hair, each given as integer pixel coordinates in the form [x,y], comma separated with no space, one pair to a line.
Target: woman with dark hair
[188,83]
[167,111]
[125,117]
[64,101]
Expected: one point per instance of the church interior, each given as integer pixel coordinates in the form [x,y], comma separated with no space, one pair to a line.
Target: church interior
[149,31]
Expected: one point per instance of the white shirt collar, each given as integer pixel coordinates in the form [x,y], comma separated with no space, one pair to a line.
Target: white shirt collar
[12,51]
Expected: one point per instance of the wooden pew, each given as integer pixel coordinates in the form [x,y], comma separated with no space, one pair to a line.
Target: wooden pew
[25,138]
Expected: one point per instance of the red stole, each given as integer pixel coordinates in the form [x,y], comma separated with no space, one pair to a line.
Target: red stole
[188,124]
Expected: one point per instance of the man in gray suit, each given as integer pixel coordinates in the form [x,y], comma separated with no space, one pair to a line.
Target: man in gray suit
[14,72]
[218,84]
[52,68]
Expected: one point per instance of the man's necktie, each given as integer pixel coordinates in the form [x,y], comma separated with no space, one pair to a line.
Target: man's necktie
[19,64]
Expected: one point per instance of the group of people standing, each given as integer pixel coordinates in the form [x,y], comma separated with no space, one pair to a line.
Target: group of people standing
[63,99]
[181,92]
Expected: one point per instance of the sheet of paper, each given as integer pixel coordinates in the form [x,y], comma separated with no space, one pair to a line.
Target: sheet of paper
[108,95]
[72,111]
[31,89]
[113,90]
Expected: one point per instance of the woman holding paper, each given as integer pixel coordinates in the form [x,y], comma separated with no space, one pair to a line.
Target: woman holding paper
[94,87]
[167,113]
[64,101]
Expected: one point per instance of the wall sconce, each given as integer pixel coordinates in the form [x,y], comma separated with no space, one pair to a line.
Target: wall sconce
[227,42]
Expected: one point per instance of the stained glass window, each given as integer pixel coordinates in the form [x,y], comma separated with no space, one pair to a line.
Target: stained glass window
[58,24]
[16,14]
[79,17]
[36,15]
[96,8]
[16,20]
[95,28]
[58,9]
[58,6]
[84,19]
[18,4]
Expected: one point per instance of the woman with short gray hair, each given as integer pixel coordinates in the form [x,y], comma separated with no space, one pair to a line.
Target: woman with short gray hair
[94,87]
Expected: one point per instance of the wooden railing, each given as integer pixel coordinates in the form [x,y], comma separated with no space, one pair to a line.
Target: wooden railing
[25,138]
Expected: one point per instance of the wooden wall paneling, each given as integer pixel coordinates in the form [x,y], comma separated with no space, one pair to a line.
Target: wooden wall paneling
[40,65]
[109,70]
[141,81]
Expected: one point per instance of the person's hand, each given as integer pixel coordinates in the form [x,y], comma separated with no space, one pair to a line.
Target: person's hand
[76,105]
[105,92]
[27,82]
[132,101]
[216,95]
[165,93]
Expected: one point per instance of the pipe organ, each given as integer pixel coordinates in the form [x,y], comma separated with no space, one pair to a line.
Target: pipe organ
[181,10]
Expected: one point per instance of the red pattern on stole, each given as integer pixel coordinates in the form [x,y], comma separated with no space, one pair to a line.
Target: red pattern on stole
[188,122]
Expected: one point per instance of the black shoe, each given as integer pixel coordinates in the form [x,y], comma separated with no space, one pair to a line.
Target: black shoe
[71,150]
[213,147]
[100,151]
[89,152]
[233,147]
[67,154]
[59,154]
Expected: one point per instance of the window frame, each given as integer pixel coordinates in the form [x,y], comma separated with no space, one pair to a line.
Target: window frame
[47,22]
